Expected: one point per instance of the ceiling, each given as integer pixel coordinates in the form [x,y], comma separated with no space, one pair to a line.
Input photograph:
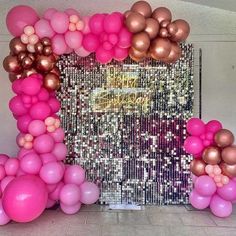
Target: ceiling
[229,5]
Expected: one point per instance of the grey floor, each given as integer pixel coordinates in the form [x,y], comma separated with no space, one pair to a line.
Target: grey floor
[151,221]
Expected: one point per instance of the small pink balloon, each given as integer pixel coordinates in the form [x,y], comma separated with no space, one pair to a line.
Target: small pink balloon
[3,159]
[31,85]
[195,127]
[70,210]
[54,104]
[4,219]
[48,13]
[60,22]
[31,163]
[60,151]
[198,201]
[2,172]
[55,195]
[40,111]
[228,191]
[47,157]
[44,29]
[23,123]
[17,107]
[37,128]
[5,182]
[89,193]
[86,28]
[59,45]
[74,175]
[43,95]
[82,52]
[96,23]
[43,144]
[120,54]
[50,203]
[11,166]
[90,42]
[70,194]
[213,126]
[193,145]
[103,56]
[73,39]
[112,23]
[205,186]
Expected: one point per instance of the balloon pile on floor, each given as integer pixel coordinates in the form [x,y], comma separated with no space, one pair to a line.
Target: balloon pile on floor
[38,178]
[213,167]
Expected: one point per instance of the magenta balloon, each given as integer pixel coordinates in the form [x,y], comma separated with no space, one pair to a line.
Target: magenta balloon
[43,95]
[89,193]
[60,151]
[43,143]
[23,152]
[44,29]
[228,191]
[96,23]
[48,13]
[74,175]
[16,86]
[120,54]
[104,56]
[47,157]
[54,104]
[40,111]
[58,135]
[82,52]
[50,203]
[70,194]
[59,45]
[31,85]
[90,42]
[5,182]
[60,22]
[31,163]
[37,127]
[125,38]
[112,23]
[11,166]
[73,39]
[17,107]
[20,172]
[195,127]
[220,207]
[23,123]
[2,172]
[193,145]
[3,159]
[51,187]
[4,219]
[198,201]
[213,126]
[86,28]
[19,17]
[205,185]
[55,195]
[25,198]
[70,210]
[51,173]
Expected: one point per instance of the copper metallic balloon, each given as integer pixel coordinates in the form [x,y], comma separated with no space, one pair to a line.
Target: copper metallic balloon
[175,53]
[47,50]
[141,41]
[21,56]
[212,155]
[16,46]
[51,82]
[56,71]
[229,155]
[137,55]
[183,30]
[172,28]
[38,48]
[224,138]
[164,23]
[160,48]
[31,55]
[13,77]
[27,62]
[46,41]
[127,13]
[135,22]
[229,170]
[161,14]
[197,167]
[12,65]
[163,33]
[152,27]
[143,8]
[29,72]
[45,63]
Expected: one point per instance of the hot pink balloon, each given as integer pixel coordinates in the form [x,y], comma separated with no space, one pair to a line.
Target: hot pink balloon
[44,29]
[60,151]
[59,45]
[43,95]
[195,127]
[11,166]
[37,127]
[198,201]
[70,194]
[96,23]
[213,126]
[58,135]
[31,85]
[228,191]
[5,182]
[23,152]
[112,23]
[48,13]
[3,159]
[17,107]
[90,42]
[40,111]
[55,195]
[43,144]
[25,198]
[16,86]
[19,17]
[70,210]
[4,219]
[89,193]
[60,22]
[103,56]
[23,123]
[193,145]
[120,54]
[205,185]
[125,38]
[51,187]
[74,175]
[73,39]
[54,104]
[47,157]
[82,52]
[31,163]
[2,172]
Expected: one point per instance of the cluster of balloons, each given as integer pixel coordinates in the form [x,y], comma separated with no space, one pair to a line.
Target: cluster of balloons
[38,173]
[155,35]
[213,167]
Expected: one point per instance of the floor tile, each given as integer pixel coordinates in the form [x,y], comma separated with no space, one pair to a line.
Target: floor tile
[225,222]
[118,230]
[187,231]
[102,218]
[134,218]
[197,219]
[88,208]
[220,231]
[164,219]
[150,230]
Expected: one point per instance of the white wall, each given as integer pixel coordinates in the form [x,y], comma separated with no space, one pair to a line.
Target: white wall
[212,29]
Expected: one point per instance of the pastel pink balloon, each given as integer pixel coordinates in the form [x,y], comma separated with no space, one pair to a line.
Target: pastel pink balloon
[90,42]
[205,185]
[70,210]
[71,11]
[17,107]
[86,28]
[25,198]
[19,17]
[193,145]
[60,151]
[120,54]
[74,175]
[11,166]
[16,86]
[44,144]
[82,52]
[23,123]
[2,172]
[112,23]
[96,23]
[198,201]
[228,191]
[31,85]
[103,56]
[50,203]
[31,163]
[3,159]
[220,207]
[54,104]
[37,127]
[125,38]
[55,195]
[5,182]
[58,135]
[4,219]
[43,95]
[213,126]
[59,45]
[73,39]
[60,22]
[40,111]
[69,50]
[44,29]
[23,152]
[195,127]
[48,13]
[51,173]
[70,194]
[48,157]
[89,193]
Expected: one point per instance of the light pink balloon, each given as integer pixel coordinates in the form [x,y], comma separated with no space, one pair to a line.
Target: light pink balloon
[48,13]
[60,22]
[73,39]
[3,159]
[55,195]
[90,42]
[31,85]
[228,191]
[37,127]
[71,11]
[60,151]
[2,172]
[74,175]
[11,166]
[70,194]
[59,45]
[58,135]
[96,23]
[103,56]
[44,29]
[52,172]
[120,54]
[48,157]
[69,50]
[43,95]
[198,201]
[23,123]
[54,104]
[23,152]
[17,107]
[40,111]
[31,163]
[70,210]
[89,193]
[43,144]
[86,28]
[82,52]
[205,185]
[50,203]
[125,38]
[4,219]
[6,181]
[112,23]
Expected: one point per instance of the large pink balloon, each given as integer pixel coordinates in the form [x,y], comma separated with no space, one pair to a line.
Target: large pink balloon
[228,191]
[58,135]
[2,172]
[60,22]
[213,126]
[59,45]
[31,163]
[25,198]
[195,127]
[90,42]
[40,111]
[4,219]
[44,29]
[23,123]
[125,38]
[73,39]
[74,175]
[112,23]
[193,145]
[48,13]
[205,185]
[104,56]
[43,143]
[19,17]
[220,207]
[47,157]
[60,151]
[3,159]
[11,166]
[37,127]
[70,210]
[43,95]
[96,23]
[89,193]
[54,104]
[120,54]
[198,201]
[16,86]
[70,194]
[17,107]
[6,181]
[82,52]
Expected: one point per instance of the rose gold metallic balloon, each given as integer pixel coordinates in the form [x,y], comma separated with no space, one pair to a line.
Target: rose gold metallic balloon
[27,62]
[29,72]
[21,56]
[197,167]
[163,33]
[51,82]
[160,48]
[164,23]
[12,65]
[137,55]
[152,27]
[16,46]
[211,155]
[229,155]
[175,53]
[47,50]
[135,22]
[143,8]
[141,41]
[38,48]
[229,170]
[46,41]
[224,138]
[56,71]
[161,14]
[13,77]
[45,63]
[183,30]
[172,28]
[31,55]
[127,13]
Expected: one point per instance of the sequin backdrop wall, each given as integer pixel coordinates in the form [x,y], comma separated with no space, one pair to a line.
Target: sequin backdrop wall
[125,124]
